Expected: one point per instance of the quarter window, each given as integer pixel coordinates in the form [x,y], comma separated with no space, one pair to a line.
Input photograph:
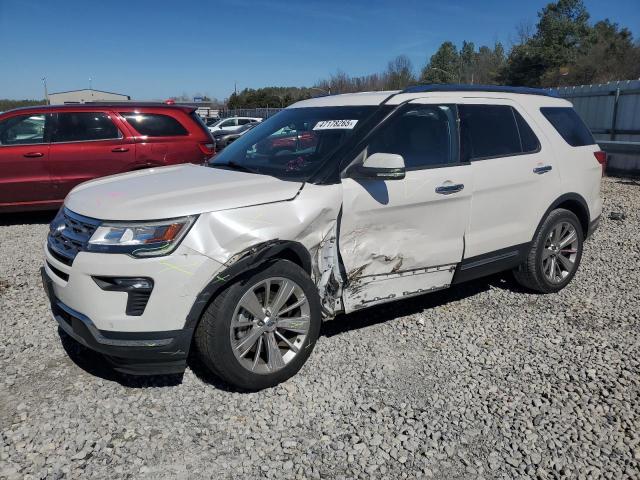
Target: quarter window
[84,126]
[23,130]
[569,125]
[425,136]
[155,124]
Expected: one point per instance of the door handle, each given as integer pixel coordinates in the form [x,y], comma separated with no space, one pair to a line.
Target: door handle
[543,169]
[120,149]
[33,154]
[449,189]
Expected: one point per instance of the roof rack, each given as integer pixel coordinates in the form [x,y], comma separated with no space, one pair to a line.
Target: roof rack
[459,87]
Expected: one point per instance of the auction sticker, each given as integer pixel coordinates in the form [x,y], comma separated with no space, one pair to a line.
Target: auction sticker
[335,124]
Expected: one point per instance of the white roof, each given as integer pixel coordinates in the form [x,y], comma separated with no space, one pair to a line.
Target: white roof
[345,99]
[376,98]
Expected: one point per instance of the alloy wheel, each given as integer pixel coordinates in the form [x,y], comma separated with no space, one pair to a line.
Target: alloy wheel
[269,325]
[560,252]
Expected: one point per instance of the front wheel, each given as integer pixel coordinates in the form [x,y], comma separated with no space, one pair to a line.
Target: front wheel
[555,254]
[260,331]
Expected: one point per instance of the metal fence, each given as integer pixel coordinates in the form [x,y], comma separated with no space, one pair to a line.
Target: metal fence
[249,112]
[612,112]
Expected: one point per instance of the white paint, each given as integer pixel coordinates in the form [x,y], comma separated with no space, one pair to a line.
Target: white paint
[175,191]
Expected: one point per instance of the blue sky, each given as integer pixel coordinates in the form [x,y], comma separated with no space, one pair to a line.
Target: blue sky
[156,49]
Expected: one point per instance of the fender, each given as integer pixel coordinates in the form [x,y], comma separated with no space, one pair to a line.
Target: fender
[243,262]
[574,198]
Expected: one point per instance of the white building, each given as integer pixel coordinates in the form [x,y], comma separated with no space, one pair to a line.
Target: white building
[86,95]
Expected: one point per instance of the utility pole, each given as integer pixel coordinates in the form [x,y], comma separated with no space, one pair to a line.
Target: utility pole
[90,84]
[46,94]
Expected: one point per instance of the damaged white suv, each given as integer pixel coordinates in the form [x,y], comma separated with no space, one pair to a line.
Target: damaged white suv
[335,204]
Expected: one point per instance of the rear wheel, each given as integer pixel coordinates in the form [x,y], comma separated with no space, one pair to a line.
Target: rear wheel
[555,254]
[261,330]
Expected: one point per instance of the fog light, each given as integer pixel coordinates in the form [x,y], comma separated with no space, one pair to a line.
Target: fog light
[138,291]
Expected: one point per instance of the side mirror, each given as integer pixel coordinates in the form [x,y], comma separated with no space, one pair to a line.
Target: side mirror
[380,166]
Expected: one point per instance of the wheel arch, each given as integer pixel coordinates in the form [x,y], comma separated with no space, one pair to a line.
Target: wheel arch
[244,262]
[575,203]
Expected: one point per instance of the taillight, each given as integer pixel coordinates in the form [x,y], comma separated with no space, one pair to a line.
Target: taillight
[601,157]
[207,148]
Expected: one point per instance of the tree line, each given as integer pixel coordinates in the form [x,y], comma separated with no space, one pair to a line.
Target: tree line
[562,48]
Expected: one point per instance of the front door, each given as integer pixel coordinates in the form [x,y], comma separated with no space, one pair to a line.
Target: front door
[400,238]
[24,153]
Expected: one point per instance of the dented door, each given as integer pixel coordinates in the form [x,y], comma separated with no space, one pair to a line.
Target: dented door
[400,238]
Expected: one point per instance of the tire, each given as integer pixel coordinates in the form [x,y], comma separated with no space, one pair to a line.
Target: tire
[238,346]
[546,253]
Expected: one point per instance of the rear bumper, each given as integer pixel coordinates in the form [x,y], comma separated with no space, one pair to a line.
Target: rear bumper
[136,353]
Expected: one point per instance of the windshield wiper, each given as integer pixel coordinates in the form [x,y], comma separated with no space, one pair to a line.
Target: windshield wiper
[233,166]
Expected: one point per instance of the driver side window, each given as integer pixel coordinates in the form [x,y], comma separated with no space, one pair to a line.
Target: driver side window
[425,136]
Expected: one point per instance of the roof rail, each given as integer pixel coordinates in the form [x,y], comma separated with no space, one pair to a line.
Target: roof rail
[460,87]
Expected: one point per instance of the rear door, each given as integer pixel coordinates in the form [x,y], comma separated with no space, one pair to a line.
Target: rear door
[87,145]
[514,175]
[162,139]
[400,238]
[24,154]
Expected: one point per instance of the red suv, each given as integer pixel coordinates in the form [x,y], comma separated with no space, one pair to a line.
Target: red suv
[46,151]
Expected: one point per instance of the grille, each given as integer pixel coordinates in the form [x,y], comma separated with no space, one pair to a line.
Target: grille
[65,243]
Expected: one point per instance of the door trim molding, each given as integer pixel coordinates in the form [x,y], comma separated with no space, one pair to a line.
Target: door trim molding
[490,263]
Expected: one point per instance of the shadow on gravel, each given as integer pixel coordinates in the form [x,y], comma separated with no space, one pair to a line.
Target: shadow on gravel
[382,313]
[95,364]
[27,218]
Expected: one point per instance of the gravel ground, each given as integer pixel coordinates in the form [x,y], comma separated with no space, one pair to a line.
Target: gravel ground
[481,381]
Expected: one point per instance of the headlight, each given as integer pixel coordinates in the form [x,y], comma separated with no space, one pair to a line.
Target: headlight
[148,239]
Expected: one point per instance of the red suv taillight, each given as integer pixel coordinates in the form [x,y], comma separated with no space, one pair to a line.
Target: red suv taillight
[208,148]
[601,157]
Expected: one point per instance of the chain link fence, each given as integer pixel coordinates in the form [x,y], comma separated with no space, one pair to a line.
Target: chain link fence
[249,112]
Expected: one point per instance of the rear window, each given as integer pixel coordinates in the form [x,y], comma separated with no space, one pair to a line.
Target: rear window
[155,124]
[569,125]
[489,131]
[84,126]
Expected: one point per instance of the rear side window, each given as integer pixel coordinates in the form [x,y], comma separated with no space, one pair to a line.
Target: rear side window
[569,125]
[155,124]
[528,139]
[489,131]
[84,126]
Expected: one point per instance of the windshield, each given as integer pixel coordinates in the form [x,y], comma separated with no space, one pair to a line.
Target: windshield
[295,143]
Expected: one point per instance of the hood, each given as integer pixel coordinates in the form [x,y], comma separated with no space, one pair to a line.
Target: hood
[175,191]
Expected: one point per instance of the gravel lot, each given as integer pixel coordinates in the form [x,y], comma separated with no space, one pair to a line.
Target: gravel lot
[483,380]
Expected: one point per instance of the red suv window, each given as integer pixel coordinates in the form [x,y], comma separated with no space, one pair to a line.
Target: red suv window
[155,124]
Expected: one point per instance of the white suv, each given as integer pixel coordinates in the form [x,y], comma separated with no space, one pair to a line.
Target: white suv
[335,204]
[232,124]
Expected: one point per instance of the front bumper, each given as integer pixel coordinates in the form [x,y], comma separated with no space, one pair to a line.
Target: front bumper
[136,353]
